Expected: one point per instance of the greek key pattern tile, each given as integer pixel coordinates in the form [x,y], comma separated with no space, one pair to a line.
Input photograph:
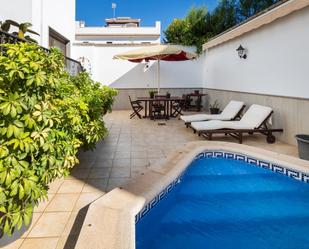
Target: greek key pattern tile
[157,199]
[256,162]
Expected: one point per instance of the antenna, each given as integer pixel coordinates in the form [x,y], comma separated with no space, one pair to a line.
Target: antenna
[114,6]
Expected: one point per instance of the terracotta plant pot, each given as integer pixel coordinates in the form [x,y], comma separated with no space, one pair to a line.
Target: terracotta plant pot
[214,110]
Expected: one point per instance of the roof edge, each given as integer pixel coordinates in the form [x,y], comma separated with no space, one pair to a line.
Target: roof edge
[264,17]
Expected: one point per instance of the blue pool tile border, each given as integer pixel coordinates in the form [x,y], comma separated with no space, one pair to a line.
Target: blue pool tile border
[297,175]
[150,205]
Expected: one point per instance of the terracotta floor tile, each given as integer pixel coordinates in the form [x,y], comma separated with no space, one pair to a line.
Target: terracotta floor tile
[78,173]
[71,186]
[95,185]
[122,155]
[55,185]
[103,163]
[99,173]
[140,163]
[38,243]
[43,204]
[62,203]
[117,182]
[122,162]
[86,198]
[34,220]
[125,149]
[50,225]
[106,155]
[139,155]
[120,172]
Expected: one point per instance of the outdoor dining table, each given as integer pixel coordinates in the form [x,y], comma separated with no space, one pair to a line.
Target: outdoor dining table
[168,104]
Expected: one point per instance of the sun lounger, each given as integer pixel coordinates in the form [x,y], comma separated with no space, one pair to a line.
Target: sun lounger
[232,111]
[253,121]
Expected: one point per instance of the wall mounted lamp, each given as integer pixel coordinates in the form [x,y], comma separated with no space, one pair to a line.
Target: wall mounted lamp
[241,52]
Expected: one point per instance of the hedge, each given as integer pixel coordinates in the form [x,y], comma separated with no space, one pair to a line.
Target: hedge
[46,115]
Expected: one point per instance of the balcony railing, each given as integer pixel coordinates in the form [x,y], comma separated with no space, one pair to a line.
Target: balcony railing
[73,67]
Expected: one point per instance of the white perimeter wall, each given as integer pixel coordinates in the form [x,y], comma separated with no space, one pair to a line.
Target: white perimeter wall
[277,63]
[124,74]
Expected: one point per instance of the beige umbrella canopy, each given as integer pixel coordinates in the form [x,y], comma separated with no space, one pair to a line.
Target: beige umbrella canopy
[158,53]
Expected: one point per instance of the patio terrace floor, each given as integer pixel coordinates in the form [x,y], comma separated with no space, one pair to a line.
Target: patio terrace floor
[131,147]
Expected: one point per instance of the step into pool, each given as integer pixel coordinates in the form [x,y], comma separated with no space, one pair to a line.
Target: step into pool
[225,204]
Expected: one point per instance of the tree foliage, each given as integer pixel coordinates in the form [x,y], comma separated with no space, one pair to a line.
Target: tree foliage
[199,25]
[190,31]
[248,8]
[45,116]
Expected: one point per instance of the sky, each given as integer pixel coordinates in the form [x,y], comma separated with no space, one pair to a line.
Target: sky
[94,12]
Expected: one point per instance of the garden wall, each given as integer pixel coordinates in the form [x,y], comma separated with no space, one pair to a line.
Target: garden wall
[276,72]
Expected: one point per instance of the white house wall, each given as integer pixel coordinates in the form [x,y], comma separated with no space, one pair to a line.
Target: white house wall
[17,10]
[124,74]
[57,14]
[277,63]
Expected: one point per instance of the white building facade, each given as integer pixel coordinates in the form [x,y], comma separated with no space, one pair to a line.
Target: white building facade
[54,20]
[96,46]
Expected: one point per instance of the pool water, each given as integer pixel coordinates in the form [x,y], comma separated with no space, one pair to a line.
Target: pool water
[222,203]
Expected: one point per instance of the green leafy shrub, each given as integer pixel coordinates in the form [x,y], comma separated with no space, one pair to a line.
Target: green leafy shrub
[45,116]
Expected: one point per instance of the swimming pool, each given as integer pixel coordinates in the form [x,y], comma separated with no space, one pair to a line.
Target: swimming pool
[225,203]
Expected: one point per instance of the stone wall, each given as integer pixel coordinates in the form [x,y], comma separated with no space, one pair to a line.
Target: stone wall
[291,114]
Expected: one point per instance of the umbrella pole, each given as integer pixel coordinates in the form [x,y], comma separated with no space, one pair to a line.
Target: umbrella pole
[159,76]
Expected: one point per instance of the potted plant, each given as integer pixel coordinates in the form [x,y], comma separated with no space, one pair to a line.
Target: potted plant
[168,95]
[152,93]
[214,108]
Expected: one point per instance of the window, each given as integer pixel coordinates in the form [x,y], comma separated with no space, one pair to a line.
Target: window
[59,41]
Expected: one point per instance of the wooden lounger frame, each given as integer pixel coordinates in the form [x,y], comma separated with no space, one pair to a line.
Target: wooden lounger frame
[237,117]
[238,134]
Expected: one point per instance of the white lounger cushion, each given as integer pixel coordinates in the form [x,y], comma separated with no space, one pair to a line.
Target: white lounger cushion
[252,119]
[229,112]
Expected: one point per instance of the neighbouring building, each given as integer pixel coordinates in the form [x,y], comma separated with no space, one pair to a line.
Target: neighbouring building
[96,46]
[120,30]
[53,20]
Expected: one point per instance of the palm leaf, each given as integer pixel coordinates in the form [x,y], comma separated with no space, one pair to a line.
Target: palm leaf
[11,22]
[32,32]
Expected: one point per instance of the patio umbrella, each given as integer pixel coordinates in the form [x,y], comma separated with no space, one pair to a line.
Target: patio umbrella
[158,53]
